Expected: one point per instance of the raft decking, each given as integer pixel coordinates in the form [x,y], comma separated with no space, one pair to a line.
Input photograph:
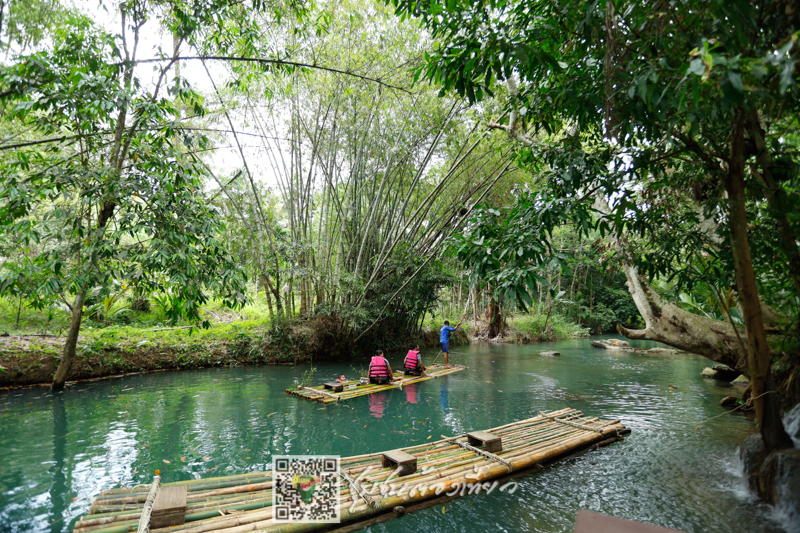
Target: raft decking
[323,395]
[240,503]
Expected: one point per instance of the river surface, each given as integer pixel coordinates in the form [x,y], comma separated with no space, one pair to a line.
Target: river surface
[676,469]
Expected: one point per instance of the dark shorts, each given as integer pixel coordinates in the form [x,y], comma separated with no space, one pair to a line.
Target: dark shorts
[412,372]
[445,347]
[379,381]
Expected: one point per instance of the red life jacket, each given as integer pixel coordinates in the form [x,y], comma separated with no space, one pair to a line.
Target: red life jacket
[412,362]
[379,367]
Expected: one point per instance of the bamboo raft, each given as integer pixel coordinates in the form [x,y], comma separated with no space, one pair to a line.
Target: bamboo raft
[240,503]
[352,389]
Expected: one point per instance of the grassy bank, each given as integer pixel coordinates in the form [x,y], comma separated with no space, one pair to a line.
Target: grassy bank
[125,341]
[121,340]
[534,328]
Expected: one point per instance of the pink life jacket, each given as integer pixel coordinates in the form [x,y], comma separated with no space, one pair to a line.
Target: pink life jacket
[379,367]
[412,362]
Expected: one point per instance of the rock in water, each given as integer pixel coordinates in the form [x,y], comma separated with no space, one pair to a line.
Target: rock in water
[792,424]
[741,380]
[708,373]
[728,401]
[752,454]
[662,351]
[780,479]
[550,354]
[612,344]
[725,372]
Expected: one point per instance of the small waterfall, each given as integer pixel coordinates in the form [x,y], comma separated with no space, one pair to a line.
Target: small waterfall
[787,506]
[792,424]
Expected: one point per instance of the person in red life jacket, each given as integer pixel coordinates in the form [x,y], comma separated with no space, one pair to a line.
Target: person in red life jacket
[380,371]
[413,362]
[341,379]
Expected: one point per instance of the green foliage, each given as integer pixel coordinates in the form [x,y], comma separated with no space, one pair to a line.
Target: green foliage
[510,250]
[532,328]
[104,200]
[638,101]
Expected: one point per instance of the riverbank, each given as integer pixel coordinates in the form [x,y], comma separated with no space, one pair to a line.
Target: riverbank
[528,329]
[114,350]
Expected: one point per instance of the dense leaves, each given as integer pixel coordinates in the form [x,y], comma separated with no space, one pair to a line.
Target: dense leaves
[108,190]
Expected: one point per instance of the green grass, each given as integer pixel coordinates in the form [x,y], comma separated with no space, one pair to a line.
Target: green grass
[127,327]
[530,327]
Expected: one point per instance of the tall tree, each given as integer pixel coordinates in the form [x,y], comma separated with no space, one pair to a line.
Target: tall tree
[671,96]
[112,191]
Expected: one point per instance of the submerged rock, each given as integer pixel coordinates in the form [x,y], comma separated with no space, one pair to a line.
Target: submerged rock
[661,351]
[612,344]
[550,354]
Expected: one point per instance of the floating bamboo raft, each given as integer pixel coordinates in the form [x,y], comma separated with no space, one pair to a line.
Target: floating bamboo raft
[235,504]
[352,389]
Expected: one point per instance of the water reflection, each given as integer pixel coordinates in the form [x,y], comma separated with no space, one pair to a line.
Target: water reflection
[412,394]
[377,404]
[58,451]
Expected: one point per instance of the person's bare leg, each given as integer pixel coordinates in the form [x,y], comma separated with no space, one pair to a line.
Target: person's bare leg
[446,363]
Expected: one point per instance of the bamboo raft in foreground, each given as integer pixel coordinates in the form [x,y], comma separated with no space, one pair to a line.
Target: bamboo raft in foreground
[240,503]
[352,389]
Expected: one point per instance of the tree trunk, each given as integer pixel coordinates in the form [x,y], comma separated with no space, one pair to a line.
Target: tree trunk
[267,290]
[72,342]
[495,319]
[758,353]
[668,323]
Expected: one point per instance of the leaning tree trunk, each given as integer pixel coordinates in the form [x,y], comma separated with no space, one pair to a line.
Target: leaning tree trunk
[72,342]
[758,353]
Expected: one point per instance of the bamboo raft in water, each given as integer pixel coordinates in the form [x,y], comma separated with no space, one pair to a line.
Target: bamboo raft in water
[240,503]
[352,389]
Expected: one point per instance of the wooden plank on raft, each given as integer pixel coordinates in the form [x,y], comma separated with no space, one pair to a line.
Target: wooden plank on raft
[334,392]
[170,507]
[491,443]
[400,459]
[243,502]
[589,522]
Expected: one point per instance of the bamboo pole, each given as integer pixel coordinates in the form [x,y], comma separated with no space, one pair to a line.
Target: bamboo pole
[441,464]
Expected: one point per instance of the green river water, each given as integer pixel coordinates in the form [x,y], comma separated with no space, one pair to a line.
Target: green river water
[59,451]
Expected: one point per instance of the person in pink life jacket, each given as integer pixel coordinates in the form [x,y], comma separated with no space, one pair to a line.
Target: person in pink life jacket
[412,365]
[380,371]
[341,379]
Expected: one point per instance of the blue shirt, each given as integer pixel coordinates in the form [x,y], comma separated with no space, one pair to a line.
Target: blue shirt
[444,333]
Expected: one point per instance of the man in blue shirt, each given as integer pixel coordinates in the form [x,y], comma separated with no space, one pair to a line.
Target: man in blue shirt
[444,340]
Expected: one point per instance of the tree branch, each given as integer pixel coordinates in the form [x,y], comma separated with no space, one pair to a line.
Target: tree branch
[267,62]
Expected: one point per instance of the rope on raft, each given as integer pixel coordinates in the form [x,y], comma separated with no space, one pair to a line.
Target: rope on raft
[144,519]
[571,423]
[357,487]
[323,393]
[486,454]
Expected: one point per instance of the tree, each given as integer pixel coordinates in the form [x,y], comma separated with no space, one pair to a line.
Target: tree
[686,99]
[368,176]
[114,189]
